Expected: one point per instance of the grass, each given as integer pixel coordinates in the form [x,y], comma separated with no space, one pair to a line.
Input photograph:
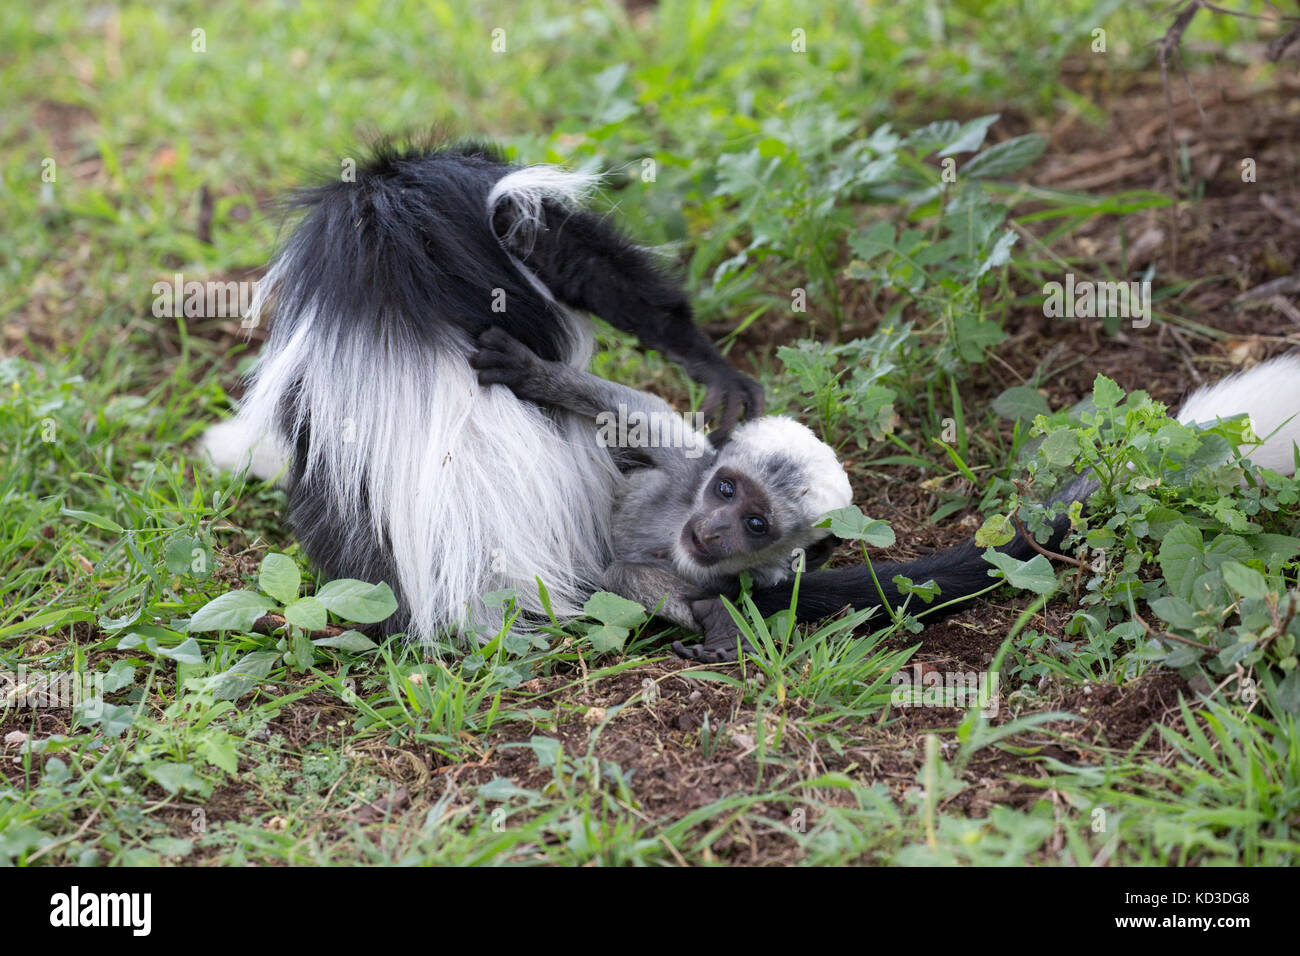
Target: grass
[767,171]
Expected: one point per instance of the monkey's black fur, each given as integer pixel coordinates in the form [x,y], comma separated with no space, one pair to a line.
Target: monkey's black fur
[413,229]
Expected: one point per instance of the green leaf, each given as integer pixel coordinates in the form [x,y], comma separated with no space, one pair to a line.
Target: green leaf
[1105,393]
[1035,575]
[232,611]
[358,600]
[244,675]
[1060,448]
[1288,693]
[112,719]
[187,652]
[302,652]
[1006,157]
[995,532]
[547,750]
[175,777]
[219,750]
[172,846]
[1021,403]
[183,552]
[927,591]
[1181,559]
[999,255]
[971,135]
[354,642]
[974,335]
[614,610]
[307,613]
[608,637]
[1175,612]
[279,577]
[852,525]
[120,675]
[106,524]
[879,238]
[501,789]
[1245,581]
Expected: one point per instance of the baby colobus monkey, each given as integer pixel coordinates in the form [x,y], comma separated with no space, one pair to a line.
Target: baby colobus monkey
[690,513]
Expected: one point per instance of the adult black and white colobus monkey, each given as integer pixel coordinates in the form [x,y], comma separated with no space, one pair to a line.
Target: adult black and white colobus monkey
[403,468]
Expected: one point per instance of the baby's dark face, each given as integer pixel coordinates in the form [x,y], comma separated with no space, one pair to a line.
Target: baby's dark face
[732,518]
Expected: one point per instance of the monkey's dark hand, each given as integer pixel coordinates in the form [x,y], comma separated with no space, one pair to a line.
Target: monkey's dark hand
[502,359]
[733,394]
[721,635]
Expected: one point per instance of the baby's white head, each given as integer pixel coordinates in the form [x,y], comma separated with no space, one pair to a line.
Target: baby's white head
[758,501]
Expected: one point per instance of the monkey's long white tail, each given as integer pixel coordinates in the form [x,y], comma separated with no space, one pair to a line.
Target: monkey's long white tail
[1270,394]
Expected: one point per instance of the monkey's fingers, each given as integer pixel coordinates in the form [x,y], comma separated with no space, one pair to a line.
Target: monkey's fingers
[494,367]
[706,653]
[498,339]
[737,397]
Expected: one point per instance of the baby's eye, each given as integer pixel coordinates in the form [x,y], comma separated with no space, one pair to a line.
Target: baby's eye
[756,525]
[726,488]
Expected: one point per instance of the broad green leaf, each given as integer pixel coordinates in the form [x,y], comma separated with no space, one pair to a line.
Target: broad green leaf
[232,611]
[112,719]
[1060,448]
[1021,403]
[185,554]
[175,777]
[1245,581]
[358,600]
[547,749]
[354,642]
[307,613]
[187,652]
[971,135]
[974,335]
[615,610]
[999,255]
[1181,559]
[995,532]
[608,637]
[279,577]
[1035,575]
[852,525]
[244,675]
[219,750]
[120,674]
[1105,393]
[1175,612]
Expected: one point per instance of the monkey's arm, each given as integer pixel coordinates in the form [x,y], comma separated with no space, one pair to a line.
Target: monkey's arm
[588,265]
[503,360]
